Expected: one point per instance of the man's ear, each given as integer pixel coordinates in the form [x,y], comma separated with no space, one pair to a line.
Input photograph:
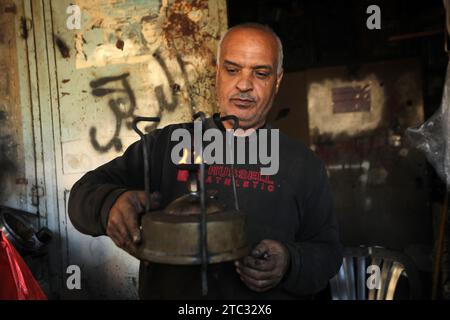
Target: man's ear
[279,77]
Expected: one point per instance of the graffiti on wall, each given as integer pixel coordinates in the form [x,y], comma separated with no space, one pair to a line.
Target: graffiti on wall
[129,58]
[169,48]
[124,106]
[123,109]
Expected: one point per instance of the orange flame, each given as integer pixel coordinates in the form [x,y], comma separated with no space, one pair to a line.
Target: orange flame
[185,156]
[198,159]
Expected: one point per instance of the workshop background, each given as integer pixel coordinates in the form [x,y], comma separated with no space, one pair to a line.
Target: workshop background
[68,96]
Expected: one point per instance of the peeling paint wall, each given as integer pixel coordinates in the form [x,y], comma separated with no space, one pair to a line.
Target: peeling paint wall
[171,74]
[68,98]
[130,58]
[324,121]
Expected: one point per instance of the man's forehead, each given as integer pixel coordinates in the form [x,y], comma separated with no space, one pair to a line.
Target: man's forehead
[249,44]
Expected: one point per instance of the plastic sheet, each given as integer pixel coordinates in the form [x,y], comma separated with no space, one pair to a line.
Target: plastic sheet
[16,280]
[432,137]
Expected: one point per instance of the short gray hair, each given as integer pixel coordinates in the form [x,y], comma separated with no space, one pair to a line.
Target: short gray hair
[260,27]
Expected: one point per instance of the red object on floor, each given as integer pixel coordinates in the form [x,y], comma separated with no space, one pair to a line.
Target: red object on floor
[16,280]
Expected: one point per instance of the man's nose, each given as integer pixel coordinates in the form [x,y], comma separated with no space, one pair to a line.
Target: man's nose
[244,83]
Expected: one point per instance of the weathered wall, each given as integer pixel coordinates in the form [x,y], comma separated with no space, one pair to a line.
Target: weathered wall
[13,182]
[353,101]
[290,109]
[111,73]
[68,97]
[358,117]
[116,67]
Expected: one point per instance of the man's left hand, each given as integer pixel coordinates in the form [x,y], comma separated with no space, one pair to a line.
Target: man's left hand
[265,267]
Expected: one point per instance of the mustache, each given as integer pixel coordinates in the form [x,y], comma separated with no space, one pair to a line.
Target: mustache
[243,96]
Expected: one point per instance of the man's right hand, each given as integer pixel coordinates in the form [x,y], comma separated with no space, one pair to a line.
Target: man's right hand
[124,218]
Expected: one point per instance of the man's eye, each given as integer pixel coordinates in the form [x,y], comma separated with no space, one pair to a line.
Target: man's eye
[262,75]
[232,70]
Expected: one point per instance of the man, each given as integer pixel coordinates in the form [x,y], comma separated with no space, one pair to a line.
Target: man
[291,224]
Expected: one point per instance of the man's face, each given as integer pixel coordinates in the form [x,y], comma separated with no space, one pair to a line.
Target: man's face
[246,78]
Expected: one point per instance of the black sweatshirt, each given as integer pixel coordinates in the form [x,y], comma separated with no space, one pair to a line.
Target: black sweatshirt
[293,206]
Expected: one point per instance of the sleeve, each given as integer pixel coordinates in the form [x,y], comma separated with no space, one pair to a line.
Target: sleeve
[317,255]
[92,197]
